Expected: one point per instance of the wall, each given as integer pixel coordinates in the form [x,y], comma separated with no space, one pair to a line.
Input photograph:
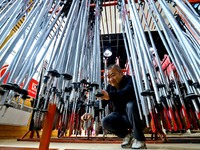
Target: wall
[16,132]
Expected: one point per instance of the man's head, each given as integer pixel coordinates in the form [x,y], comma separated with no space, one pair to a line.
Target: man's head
[115,75]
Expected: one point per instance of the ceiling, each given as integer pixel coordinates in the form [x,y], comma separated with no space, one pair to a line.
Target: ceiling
[116,44]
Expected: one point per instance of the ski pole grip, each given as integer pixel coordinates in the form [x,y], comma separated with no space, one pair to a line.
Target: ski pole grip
[99,94]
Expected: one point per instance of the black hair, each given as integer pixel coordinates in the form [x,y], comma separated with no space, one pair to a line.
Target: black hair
[118,68]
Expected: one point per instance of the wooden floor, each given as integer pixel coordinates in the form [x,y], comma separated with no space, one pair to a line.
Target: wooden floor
[176,142]
[172,138]
[19,148]
[22,145]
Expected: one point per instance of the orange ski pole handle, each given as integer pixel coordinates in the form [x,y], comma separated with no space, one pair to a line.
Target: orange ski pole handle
[47,128]
[193,119]
[186,120]
[77,123]
[198,118]
[174,124]
[71,123]
[153,126]
[177,117]
[165,120]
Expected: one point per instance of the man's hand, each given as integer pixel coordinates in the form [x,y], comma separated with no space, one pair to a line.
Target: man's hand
[86,117]
[105,95]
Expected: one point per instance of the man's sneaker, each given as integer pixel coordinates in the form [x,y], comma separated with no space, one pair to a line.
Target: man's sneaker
[127,141]
[138,145]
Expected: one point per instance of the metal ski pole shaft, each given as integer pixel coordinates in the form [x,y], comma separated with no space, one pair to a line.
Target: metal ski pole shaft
[19,55]
[72,45]
[133,55]
[68,26]
[14,9]
[163,79]
[189,5]
[181,37]
[138,78]
[73,56]
[194,18]
[183,107]
[164,42]
[185,62]
[77,54]
[8,28]
[181,18]
[143,101]
[155,52]
[144,46]
[54,50]
[193,41]
[168,103]
[4,12]
[61,56]
[6,50]
[65,92]
[27,43]
[83,52]
[39,44]
[161,72]
[75,92]
[54,54]
[33,57]
[5,3]
[80,72]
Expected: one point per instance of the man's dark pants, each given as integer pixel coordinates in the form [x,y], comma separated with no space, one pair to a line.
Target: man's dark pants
[121,124]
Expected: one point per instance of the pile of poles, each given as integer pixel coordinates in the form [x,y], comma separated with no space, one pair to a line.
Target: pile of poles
[168,88]
[67,34]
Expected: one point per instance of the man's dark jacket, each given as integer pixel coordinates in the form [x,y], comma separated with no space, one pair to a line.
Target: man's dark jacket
[121,96]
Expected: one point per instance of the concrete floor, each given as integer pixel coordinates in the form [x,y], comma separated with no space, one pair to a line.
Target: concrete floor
[13,143]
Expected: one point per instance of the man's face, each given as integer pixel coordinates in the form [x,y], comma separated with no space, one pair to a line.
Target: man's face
[114,77]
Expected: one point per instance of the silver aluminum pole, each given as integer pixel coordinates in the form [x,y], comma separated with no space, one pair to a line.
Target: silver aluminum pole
[41,41]
[195,20]
[27,44]
[134,58]
[11,12]
[11,21]
[170,49]
[185,44]
[144,46]
[8,48]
